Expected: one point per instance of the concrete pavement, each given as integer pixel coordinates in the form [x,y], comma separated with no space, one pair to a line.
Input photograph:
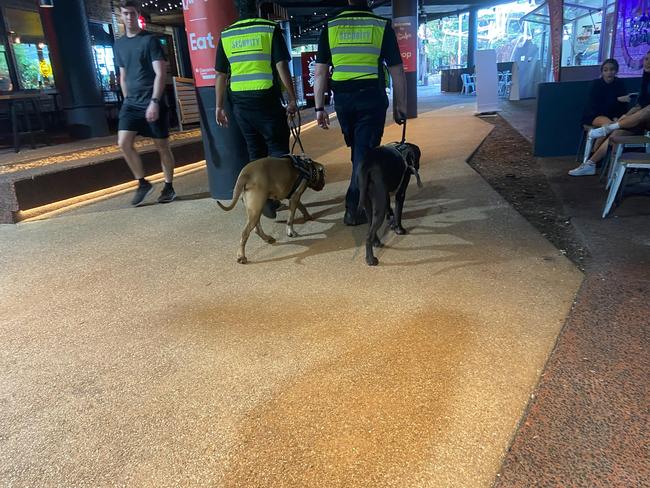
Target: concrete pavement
[135,351]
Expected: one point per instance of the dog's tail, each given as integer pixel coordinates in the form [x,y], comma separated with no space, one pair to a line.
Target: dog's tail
[239,189]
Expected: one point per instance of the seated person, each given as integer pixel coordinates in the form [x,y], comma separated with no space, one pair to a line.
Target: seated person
[634,122]
[607,101]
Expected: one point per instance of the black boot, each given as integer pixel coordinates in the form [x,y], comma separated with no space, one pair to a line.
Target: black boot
[270,209]
[354,217]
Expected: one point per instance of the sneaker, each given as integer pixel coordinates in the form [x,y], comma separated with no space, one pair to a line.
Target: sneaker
[167,195]
[603,131]
[354,218]
[585,169]
[144,189]
[270,209]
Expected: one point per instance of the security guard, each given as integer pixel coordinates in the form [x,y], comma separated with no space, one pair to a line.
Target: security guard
[254,54]
[358,44]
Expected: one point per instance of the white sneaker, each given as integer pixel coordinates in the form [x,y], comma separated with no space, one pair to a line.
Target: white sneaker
[585,169]
[603,131]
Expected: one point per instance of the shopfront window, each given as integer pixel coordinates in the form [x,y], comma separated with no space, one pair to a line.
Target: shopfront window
[30,51]
[446,41]
[5,75]
[101,36]
[585,39]
[500,28]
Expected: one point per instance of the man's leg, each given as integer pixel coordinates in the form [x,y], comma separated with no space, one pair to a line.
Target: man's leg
[168,194]
[368,130]
[274,128]
[125,140]
[247,125]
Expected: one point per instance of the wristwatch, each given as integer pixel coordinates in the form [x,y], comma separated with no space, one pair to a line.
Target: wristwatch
[155,100]
[319,109]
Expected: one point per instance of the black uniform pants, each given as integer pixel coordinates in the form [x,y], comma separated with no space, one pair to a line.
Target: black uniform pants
[361,115]
[265,130]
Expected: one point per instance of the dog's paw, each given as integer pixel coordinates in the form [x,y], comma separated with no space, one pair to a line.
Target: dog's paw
[372,261]
[271,240]
[242,260]
[291,233]
[400,230]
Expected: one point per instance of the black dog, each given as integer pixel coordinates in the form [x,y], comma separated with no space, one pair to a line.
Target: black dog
[385,170]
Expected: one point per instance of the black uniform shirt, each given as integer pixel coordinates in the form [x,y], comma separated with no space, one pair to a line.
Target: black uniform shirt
[136,54]
[390,54]
[257,99]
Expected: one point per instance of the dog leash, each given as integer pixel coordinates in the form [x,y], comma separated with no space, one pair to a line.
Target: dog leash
[295,131]
[403,132]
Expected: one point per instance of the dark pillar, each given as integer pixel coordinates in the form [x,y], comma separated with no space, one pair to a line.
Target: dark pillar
[405,23]
[472,37]
[225,148]
[286,33]
[66,31]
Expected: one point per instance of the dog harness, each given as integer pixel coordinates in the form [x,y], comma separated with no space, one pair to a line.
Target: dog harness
[306,172]
[398,148]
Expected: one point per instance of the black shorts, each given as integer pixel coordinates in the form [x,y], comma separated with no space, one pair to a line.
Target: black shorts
[133,118]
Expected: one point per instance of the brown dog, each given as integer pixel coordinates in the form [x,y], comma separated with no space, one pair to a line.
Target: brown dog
[275,179]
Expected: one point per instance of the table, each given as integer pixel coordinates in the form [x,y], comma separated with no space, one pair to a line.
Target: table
[20,100]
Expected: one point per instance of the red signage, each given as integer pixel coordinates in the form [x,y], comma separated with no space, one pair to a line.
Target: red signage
[204,21]
[308,74]
[406,30]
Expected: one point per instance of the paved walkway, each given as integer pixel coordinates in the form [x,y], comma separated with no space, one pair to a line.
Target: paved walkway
[134,350]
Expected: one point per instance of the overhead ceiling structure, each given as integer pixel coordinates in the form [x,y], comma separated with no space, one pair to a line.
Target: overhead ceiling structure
[309,16]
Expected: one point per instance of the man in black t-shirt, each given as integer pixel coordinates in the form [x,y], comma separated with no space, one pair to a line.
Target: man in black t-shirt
[253,60]
[358,44]
[142,63]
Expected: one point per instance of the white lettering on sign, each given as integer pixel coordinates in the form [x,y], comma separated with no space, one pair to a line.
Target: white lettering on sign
[312,71]
[407,55]
[198,43]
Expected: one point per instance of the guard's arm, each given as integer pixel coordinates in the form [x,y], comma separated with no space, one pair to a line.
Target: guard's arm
[285,77]
[220,91]
[399,92]
[322,72]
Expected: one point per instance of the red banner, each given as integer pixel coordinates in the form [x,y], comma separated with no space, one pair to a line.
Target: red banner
[308,60]
[204,21]
[406,30]
[555,8]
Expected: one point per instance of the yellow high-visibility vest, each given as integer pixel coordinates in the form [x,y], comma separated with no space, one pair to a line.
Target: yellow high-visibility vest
[355,39]
[248,47]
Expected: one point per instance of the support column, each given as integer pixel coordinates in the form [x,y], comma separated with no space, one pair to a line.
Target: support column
[472,37]
[225,148]
[286,33]
[68,38]
[405,23]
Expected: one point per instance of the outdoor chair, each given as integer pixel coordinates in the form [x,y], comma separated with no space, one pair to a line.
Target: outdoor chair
[505,83]
[621,143]
[187,107]
[469,86]
[625,161]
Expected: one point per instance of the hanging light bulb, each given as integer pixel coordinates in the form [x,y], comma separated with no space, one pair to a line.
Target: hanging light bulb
[46,3]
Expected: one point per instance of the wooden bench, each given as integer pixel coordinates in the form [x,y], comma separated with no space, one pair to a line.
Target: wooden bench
[187,106]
